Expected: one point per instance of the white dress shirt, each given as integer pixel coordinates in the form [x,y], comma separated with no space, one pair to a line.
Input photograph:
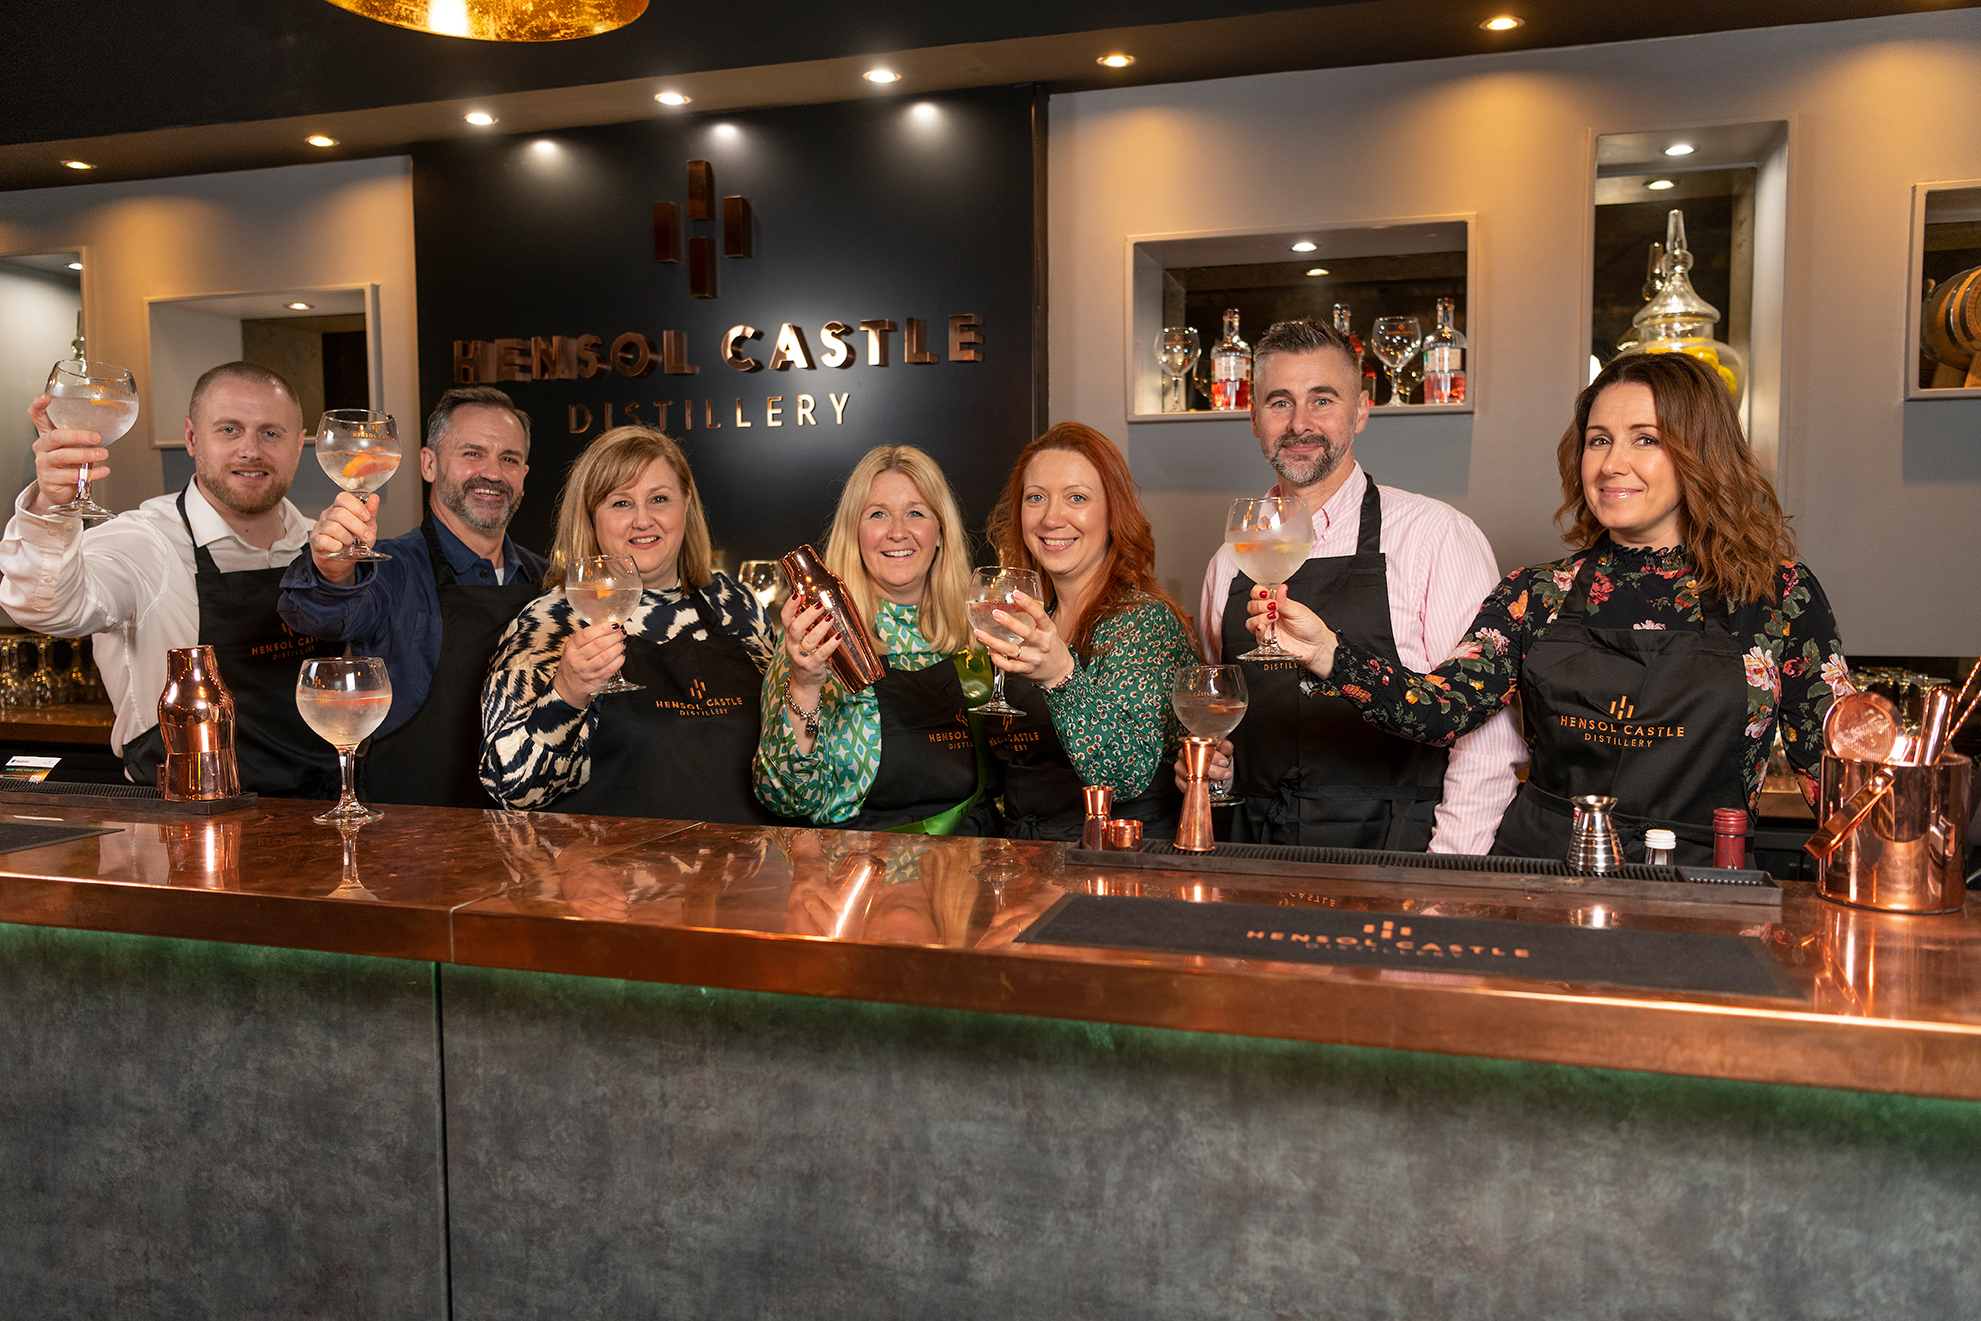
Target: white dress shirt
[129,583]
[1440,569]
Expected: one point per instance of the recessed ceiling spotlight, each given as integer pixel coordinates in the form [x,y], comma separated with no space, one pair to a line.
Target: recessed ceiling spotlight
[1318,270]
[319,140]
[79,165]
[1303,246]
[479,118]
[1659,185]
[1503,23]
[671,98]
[881,76]
[75,265]
[301,307]
[1679,149]
[1116,61]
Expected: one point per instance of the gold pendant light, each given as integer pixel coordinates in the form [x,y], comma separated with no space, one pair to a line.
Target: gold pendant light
[502,20]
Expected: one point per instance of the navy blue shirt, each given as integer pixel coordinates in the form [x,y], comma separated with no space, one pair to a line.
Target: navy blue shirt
[392,608]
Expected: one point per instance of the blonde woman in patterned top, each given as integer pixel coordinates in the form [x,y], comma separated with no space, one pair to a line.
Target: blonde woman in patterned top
[680,745]
[1093,667]
[901,754]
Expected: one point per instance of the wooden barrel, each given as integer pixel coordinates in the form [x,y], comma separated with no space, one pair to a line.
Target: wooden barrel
[1950,320]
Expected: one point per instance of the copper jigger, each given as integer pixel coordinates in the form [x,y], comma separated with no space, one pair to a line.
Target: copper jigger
[1124,836]
[196,719]
[1193,833]
[856,661]
[1100,801]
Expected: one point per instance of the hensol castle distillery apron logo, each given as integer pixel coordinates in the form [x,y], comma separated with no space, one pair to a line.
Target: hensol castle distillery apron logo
[1394,940]
[1622,730]
[634,354]
[699,703]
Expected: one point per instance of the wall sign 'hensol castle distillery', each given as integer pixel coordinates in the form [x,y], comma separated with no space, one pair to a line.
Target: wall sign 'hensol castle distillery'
[635,355]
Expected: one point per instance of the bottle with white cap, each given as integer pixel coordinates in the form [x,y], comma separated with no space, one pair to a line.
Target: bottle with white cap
[1658,845]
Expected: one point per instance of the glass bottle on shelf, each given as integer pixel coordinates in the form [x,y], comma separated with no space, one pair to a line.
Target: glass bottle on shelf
[10,670]
[1362,359]
[1444,359]
[1231,368]
[38,689]
[1678,320]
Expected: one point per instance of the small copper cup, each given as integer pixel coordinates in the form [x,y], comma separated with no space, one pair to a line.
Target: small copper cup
[1124,836]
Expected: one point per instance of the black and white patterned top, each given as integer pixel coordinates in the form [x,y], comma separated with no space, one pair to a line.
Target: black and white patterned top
[535,747]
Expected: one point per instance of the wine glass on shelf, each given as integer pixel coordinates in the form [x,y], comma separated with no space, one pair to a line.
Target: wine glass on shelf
[1210,701]
[90,396]
[1178,351]
[764,579]
[359,450]
[38,689]
[605,589]
[993,590]
[1397,339]
[344,698]
[1270,536]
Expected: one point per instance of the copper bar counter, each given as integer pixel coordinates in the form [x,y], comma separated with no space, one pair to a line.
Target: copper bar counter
[512,1064]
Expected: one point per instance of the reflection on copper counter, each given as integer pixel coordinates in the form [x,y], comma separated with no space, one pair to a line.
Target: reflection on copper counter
[933,921]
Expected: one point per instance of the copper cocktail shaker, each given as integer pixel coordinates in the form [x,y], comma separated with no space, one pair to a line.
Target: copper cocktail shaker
[856,661]
[196,719]
[1193,833]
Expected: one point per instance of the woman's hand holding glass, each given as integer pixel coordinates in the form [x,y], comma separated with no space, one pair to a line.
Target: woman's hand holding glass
[1313,641]
[591,657]
[1040,654]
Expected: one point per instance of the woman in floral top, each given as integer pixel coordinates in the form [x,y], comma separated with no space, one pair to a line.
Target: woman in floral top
[1095,660]
[900,754]
[1655,665]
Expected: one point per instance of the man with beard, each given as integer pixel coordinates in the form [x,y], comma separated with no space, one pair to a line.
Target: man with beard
[436,609]
[1410,572]
[202,566]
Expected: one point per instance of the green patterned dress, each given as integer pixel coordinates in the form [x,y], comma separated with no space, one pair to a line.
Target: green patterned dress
[1113,716]
[1794,663]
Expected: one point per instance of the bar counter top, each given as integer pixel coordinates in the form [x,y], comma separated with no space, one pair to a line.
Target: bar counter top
[1880,1003]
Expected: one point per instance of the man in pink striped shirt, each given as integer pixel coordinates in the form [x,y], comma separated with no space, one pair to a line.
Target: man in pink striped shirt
[1409,572]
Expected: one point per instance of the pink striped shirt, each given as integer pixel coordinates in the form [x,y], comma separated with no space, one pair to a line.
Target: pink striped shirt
[1440,569]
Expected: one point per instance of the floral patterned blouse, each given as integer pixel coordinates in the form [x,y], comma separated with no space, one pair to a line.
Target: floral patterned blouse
[535,747]
[1113,716]
[828,786]
[1794,661]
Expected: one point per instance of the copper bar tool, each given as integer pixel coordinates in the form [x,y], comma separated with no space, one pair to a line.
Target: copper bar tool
[856,662]
[196,720]
[1193,832]
[1099,802]
[1935,727]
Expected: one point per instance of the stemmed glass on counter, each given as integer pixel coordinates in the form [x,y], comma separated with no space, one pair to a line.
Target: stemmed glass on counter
[1210,700]
[605,589]
[359,450]
[1270,536]
[1396,341]
[344,698]
[1177,351]
[993,590]
[90,396]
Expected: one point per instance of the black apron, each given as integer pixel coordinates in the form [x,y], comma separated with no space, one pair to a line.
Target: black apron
[1311,770]
[434,759]
[679,748]
[259,658]
[1042,798]
[1655,718]
[928,754]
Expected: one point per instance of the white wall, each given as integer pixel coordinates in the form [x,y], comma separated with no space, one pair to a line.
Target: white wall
[37,326]
[184,343]
[343,224]
[1887,496]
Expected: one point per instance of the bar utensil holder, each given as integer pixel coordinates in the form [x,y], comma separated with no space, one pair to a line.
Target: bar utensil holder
[1906,855]
[1594,846]
[1193,831]
[1099,801]
[856,663]
[196,720]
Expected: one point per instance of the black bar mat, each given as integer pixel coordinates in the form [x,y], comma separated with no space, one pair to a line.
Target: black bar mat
[53,793]
[16,835]
[1698,884]
[1659,960]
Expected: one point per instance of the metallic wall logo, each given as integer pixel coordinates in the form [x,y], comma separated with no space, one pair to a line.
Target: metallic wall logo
[736,229]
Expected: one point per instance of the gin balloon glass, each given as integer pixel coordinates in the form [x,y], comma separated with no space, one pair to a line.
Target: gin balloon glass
[605,589]
[1270,537]
[1210,700]
[993,591]
[90,396]
[1178,351]
[1397,339]
[359,450]
[344,698]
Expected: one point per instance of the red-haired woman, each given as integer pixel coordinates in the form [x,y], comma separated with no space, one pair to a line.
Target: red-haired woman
[1653,665]
[1096,658]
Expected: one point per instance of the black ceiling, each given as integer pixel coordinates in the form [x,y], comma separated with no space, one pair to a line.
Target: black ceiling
[85,71]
